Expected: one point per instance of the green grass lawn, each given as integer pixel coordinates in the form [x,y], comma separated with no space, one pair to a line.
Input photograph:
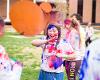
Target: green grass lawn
[20,48]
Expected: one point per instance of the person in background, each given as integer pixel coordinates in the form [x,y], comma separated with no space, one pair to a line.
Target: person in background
[56,17]
[89,33]
[76,19]
[54,49]
[73,37]
[8,67]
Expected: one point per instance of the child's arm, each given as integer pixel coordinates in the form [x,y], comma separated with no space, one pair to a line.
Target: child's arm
[69,57]
[39,42]
[67,51]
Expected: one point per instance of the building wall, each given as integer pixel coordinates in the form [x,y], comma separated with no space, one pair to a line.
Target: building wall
[97,11]
[72,6]
[3,8]
[88,10]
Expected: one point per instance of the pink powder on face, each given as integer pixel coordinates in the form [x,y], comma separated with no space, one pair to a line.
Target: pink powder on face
[67,21]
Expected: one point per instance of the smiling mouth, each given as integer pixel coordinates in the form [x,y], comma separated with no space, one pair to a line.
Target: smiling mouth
[52,36]
[55,35]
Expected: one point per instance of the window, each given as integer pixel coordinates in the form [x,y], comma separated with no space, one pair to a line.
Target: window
[80,7]
[93,10]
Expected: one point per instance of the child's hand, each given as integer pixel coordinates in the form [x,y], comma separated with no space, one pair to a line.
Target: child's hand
[52,39]
[65,56]
[75,21]
[62,55]
[71,57]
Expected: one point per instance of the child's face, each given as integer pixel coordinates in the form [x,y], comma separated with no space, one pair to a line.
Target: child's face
[53,33]
[74,18]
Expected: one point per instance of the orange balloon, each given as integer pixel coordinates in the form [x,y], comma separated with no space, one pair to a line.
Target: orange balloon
[27,18]
[46,7]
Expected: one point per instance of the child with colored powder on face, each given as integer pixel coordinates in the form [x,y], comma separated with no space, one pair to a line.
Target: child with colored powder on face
[73,37]
[54,49]
[76,20]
